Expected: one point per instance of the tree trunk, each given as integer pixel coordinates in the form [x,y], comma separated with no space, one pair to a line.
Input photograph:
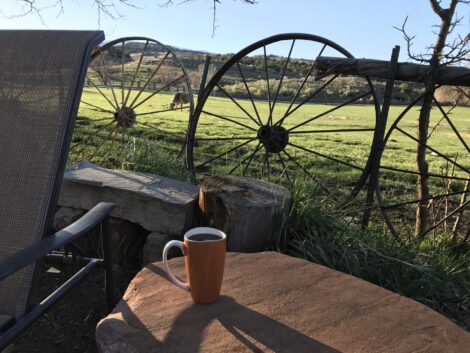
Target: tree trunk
[247,210]
[422,164]
[446,16]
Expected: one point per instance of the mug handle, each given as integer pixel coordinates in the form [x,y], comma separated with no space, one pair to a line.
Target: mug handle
[167,247]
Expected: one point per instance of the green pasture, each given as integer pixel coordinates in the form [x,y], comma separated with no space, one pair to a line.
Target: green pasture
[154,143]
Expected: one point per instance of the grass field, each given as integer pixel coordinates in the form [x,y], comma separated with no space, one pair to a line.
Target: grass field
[351,147]
[154,143]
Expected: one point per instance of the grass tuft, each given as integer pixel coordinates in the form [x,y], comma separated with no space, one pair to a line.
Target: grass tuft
[435,272]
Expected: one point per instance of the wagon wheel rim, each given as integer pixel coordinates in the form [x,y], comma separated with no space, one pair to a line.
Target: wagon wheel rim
[274,136]
[130,105]
[460,174]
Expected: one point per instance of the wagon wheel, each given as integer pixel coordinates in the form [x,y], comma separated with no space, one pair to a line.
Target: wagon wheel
[125,116]
[448,158]
[267,116]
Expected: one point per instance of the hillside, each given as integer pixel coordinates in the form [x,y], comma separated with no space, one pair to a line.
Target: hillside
[253,68]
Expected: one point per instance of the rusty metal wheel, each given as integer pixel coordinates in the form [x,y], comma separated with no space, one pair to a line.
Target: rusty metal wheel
[264,114]
[448,159]
[126,114]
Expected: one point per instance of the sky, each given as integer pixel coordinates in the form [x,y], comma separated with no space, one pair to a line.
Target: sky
[363,27]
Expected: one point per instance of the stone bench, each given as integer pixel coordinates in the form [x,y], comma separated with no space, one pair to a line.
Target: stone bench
[155,209]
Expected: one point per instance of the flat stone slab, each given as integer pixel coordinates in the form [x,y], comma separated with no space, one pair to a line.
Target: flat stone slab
[274,303]
[156,203]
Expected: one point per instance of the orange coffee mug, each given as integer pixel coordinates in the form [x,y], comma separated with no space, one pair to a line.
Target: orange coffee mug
[204,256]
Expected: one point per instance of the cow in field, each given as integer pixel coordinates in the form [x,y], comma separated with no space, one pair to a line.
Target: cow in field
[180,98]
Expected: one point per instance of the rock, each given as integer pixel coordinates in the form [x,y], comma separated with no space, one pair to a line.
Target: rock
[65,216]
[127,240]
[247,210]
[156,203]
[273,303]
[153,248]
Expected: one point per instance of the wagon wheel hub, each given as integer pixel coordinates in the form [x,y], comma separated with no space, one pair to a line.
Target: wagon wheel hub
[274,138]
[125,117]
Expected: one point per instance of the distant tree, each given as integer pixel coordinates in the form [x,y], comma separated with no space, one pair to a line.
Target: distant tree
[450,48]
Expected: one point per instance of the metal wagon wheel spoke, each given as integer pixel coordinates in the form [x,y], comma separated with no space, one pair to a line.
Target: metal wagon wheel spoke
[95,133]
[414,172]
[440,154]
[337,160]
[149,77]
[134,76]
[435,197]
[247,159]
[249,94]
[284,168]
[268,167]
[268,89]
[441,221]
[330,111]
[329,131]
[228,119]
[267,77]
[307,76]
[161,111]
[102,143]
[226,152]
[156,92]
[280,83]
[451,124]
[447,176]
[106,78]
[104,95]
[237,104]
[306,100]
[98,108]
[123,52]
[223,138]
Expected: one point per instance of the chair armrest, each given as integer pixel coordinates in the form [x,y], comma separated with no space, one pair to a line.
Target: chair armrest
[24,257]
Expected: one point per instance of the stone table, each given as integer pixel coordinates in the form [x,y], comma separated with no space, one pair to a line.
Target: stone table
[274,303]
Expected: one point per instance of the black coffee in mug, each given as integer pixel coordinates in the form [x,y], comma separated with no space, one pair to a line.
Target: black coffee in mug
[203,237]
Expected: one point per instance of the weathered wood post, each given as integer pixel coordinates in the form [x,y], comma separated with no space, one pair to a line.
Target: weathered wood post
[378,143]
[247,210]
[447,75]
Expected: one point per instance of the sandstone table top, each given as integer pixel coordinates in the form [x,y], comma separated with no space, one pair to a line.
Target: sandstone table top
[274,303]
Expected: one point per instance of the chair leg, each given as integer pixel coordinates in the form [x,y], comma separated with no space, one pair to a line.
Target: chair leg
[108,264]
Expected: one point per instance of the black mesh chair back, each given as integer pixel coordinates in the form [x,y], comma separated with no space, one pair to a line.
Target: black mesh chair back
[41,78]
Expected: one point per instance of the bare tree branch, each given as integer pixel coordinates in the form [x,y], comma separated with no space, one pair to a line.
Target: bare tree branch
[444,51]
[409,42]
[37,7]
[215,4]
[107,8]
[448,51]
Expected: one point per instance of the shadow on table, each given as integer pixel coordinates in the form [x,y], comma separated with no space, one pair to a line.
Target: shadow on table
[253,329]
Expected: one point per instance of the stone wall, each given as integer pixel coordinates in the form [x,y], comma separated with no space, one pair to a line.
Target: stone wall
[152,210]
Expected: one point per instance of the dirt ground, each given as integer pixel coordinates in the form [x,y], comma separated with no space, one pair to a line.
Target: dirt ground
[69,326]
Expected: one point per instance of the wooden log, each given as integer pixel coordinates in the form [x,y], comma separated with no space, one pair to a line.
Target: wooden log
[249,211]
[449,75]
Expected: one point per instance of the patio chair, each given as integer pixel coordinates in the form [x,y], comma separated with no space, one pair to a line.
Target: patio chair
[41,80]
